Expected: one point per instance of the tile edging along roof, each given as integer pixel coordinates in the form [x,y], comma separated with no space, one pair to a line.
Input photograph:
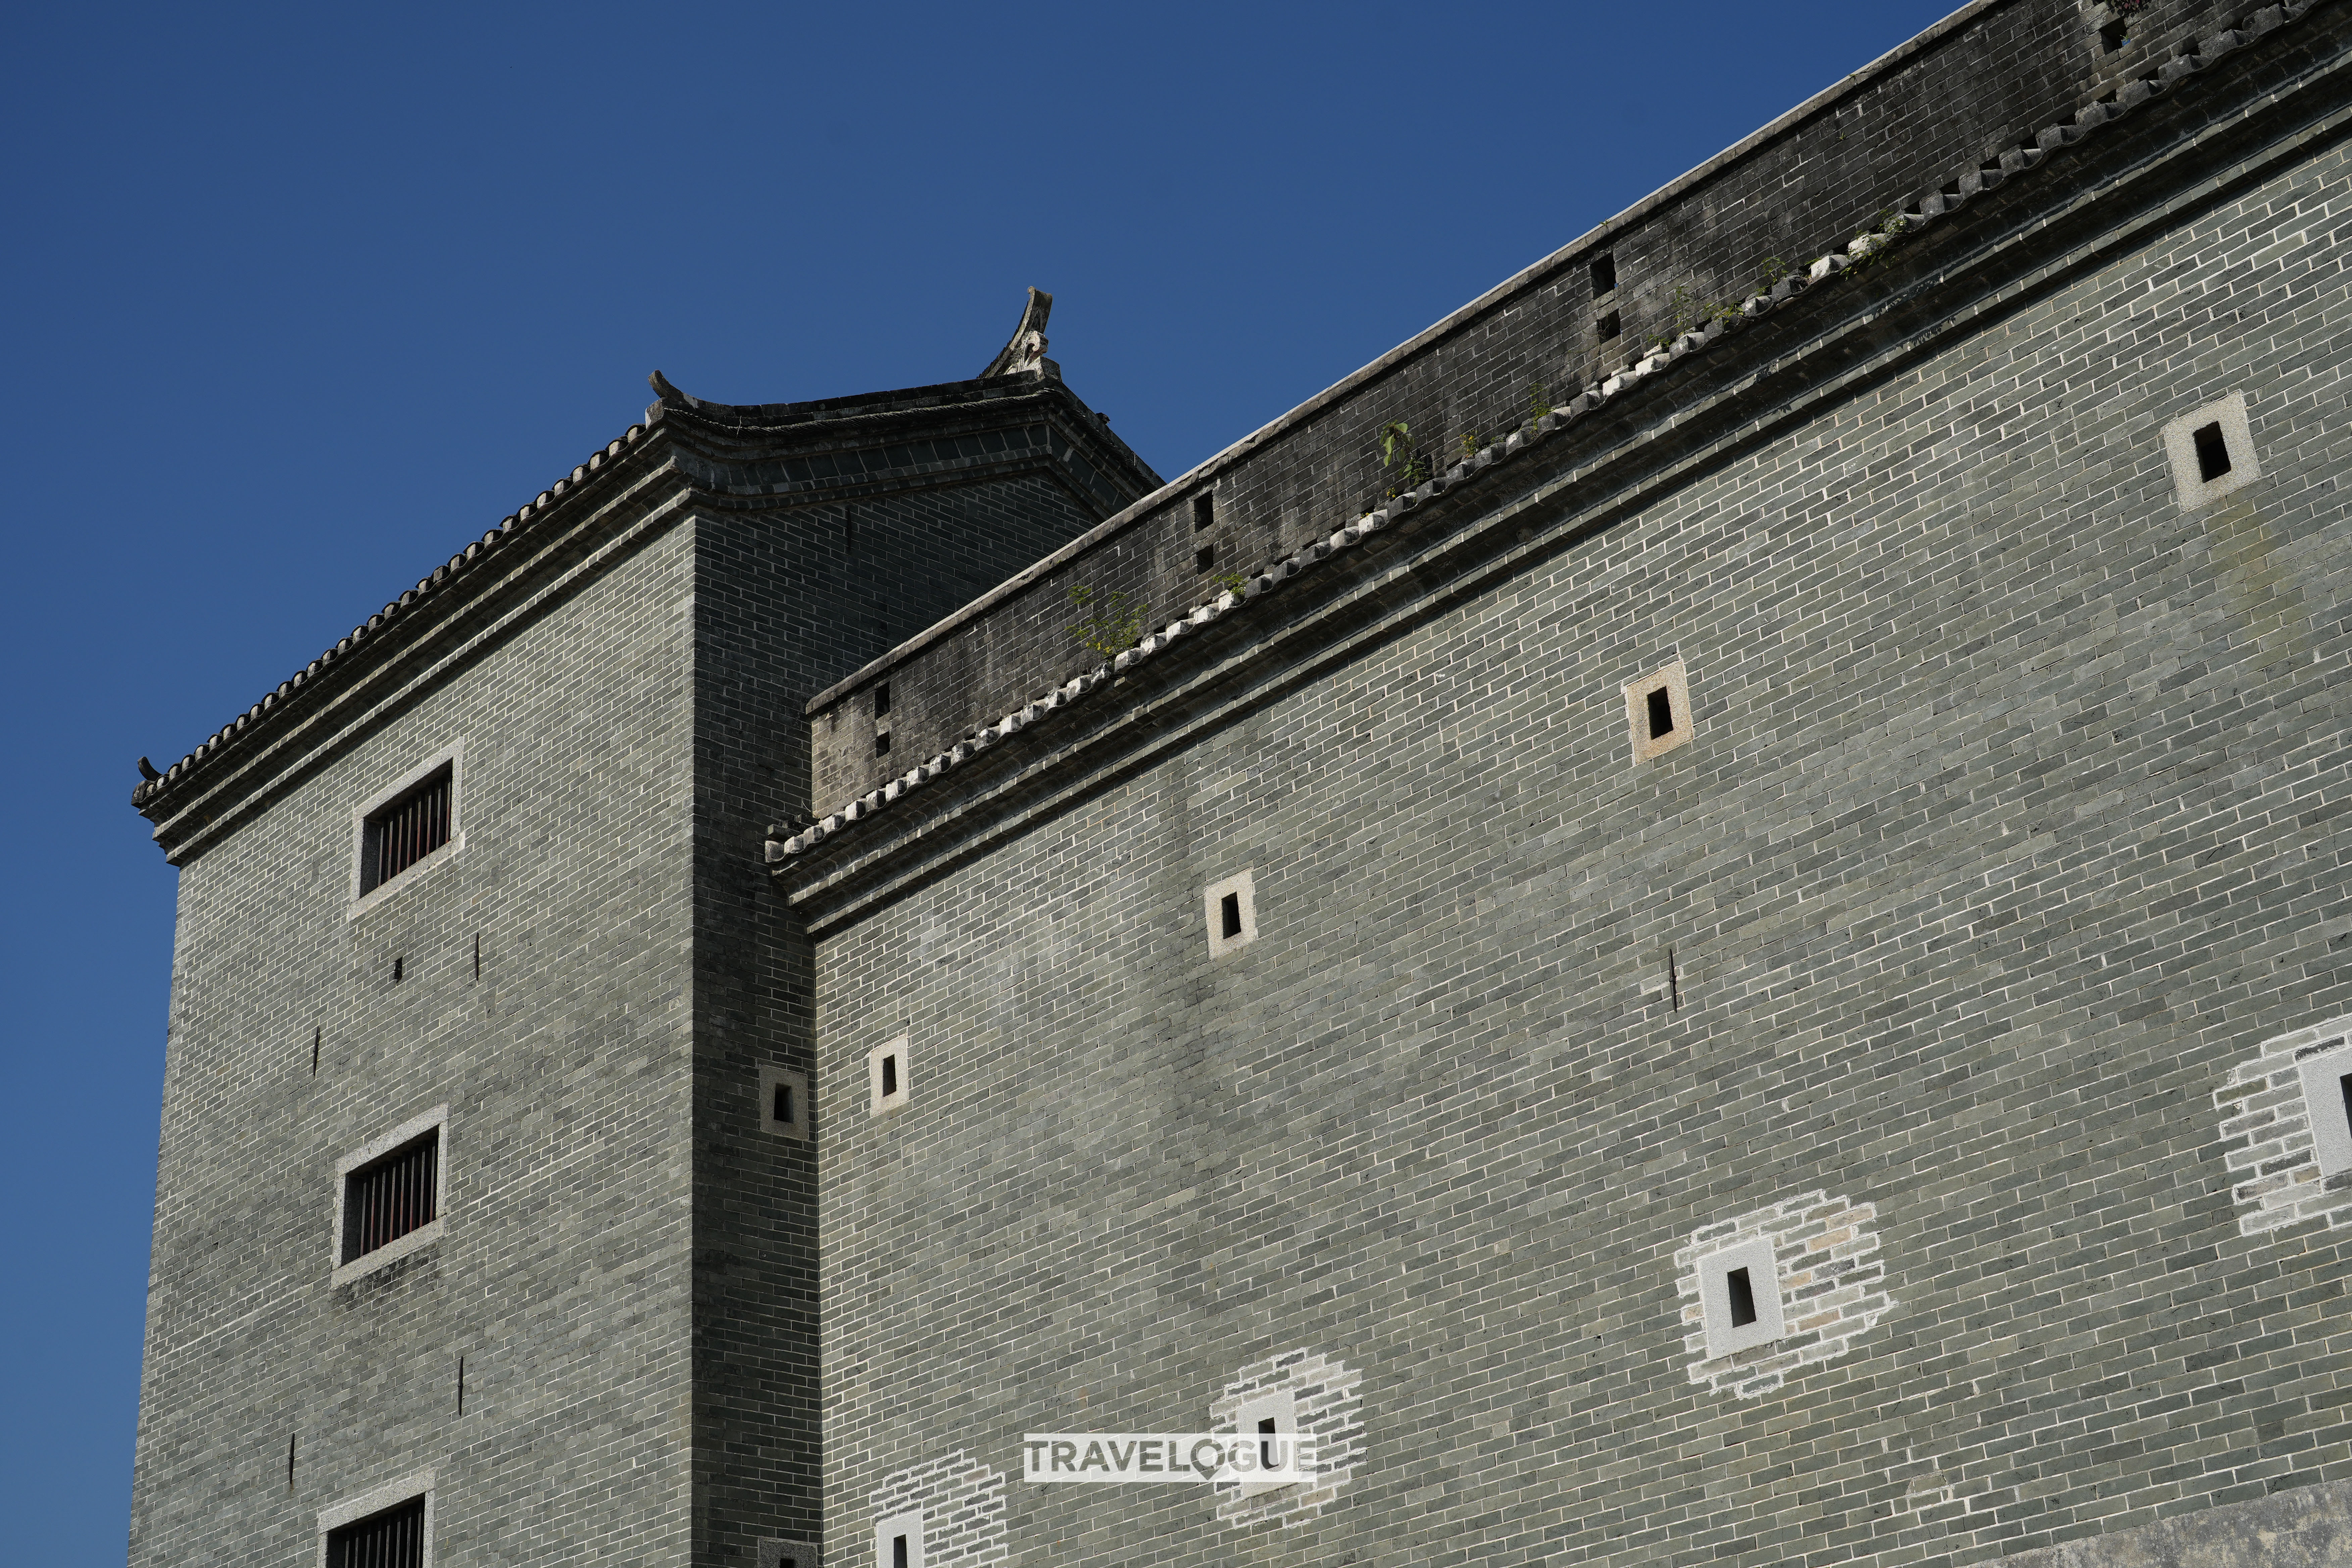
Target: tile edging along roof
[783,846]
[823,414]
[1530,276]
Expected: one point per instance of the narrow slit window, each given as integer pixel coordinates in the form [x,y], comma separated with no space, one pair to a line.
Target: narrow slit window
[1742,1297]
[889,1080]
[1739,1297]
[1230,908]
[2344,1086]
[2212,452]
[1604,273]
[1658,712]
[1204,510]
[1204,558]
[385,1200]
[1265,1428]
[783,1102]
[393,1539]
[882,700]
[899,1540]
[414,826]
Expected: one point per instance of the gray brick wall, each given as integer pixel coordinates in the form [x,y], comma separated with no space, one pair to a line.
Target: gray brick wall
[628,1264]
[567,1067]
[2009,831]
[787,603]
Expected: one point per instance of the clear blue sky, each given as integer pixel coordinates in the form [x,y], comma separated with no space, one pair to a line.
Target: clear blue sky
[299,300]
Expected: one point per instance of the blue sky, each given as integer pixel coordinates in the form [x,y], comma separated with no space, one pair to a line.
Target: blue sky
[299,300]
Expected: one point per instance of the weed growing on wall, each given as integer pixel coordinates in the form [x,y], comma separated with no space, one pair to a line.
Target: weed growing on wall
[1116,625]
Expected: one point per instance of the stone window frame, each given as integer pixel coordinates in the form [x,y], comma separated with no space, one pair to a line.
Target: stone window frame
[425,1235]
[1283,1405]
[1327,1402]
[876,1102]
[453,757]
[1674,679]
[772,1076]
[376,1499]
[2188,486]
[2322,1076]
[1760,1258]
[908,1523]
[775,1553]
[1213,900]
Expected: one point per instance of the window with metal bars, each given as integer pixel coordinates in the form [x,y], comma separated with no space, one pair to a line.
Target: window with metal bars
[386,1199]
[393,1539]
[404,832]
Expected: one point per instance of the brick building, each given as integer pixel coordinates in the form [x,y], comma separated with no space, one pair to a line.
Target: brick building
[1695,919]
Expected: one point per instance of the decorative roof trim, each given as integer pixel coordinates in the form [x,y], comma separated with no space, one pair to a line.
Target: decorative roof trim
[784,846]
[1531,276]
[463,564]
[848,416]
[1024,351]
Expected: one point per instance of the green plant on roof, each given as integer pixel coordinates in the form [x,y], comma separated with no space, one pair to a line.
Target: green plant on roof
[1396,441]
[1116,625]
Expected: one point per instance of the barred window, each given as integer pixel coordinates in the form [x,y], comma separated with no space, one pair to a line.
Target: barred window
[393,1539]
[387,1198]
[412,825]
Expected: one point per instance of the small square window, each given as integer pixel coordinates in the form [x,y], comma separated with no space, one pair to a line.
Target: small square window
[389,1526]
[899,1540]
[2113,36]
[406,831]
[2212,452]
[881,742]
[1205,558]
[1606,327]
[1657,712]
[1231,907]
[888,1078]
[1204,510]
[783,1102]
[1739,1297]
[789,1554]
[2327,1101]
[1604,276]
[390,1196]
